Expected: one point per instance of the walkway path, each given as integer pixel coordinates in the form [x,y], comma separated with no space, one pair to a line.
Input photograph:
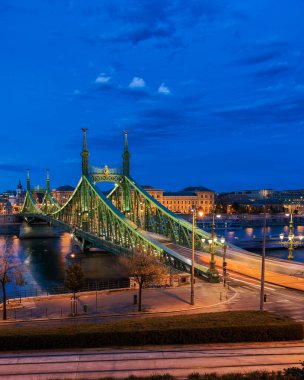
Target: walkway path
[108,304]
[178,361]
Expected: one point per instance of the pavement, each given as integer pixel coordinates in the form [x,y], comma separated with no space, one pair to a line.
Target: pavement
[114,304]
[122,362]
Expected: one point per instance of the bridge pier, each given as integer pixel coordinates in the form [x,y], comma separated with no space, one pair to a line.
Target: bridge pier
[37,230]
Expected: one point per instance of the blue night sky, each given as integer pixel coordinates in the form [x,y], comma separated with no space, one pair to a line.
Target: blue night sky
[211,91]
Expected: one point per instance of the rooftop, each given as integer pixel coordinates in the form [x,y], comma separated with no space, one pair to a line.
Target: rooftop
[65,188]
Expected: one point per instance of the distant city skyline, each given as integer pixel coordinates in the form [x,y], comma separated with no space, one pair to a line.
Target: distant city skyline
[211,91]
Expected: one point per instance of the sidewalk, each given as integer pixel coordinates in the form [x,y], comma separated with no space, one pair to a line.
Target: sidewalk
[120,302]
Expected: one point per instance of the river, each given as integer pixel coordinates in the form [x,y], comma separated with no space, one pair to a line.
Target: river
[43,261]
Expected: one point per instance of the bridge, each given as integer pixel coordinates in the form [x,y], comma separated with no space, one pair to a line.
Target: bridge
[129,219]
[125,220]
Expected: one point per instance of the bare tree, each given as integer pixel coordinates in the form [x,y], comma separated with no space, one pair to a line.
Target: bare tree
[74,281]
[145,269]
[8,269]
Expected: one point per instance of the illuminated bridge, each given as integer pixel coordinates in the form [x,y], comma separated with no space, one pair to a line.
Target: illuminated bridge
[129,219]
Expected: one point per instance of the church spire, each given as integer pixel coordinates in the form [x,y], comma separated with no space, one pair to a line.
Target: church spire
[126,156]
[85,154]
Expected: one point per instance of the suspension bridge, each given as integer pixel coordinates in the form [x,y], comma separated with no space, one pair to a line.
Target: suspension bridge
[129,219]
[125,220]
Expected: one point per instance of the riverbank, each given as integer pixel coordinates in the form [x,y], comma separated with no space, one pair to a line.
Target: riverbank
[10,224]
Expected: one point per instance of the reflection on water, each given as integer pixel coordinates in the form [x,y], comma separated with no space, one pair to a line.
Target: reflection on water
[43,262]
[248,233]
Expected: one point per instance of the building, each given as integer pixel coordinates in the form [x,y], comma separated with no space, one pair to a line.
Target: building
[182,201]
[11,200]
[62,194]
[253,201]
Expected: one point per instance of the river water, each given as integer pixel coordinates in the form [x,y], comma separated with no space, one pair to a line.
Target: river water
[44,261]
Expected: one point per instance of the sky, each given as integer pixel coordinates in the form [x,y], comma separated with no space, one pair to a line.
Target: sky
[210,91]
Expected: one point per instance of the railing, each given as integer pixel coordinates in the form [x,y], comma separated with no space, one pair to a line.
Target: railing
[90,286]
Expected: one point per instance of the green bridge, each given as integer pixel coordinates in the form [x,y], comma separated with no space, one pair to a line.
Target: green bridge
[124,221]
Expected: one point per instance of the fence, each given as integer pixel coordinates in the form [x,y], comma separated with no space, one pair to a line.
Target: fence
[90,286]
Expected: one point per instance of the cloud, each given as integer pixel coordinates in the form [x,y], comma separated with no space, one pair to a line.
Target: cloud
[102,79]
[13,167]
[270,112]
[261,57]
[158,20]
[137,82]
[273,70]
[163,89]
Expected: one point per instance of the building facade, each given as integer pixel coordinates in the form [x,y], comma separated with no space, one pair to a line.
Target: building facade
[182,201]
[62,194]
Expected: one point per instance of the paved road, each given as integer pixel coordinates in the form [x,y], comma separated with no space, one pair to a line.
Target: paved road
[279,272]
[285,302]
[179,361]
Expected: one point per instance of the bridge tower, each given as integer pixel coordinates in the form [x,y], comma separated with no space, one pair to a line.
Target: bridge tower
[126,157]
[126,173]
[28,181]
[84,191]
[85,153]
[48,187]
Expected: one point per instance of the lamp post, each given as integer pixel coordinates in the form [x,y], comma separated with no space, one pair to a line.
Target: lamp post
[194,212]
[291,242]
[212,272]
[224,260]
[262,289]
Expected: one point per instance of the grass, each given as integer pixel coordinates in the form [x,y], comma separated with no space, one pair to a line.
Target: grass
[184,329]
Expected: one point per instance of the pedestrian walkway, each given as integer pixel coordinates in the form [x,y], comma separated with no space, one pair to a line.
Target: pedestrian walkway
[119,302]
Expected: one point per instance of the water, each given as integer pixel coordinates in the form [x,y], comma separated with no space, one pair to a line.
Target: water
[248,233]
[43,262]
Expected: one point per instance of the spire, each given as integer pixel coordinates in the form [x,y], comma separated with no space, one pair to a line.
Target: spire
[126,156]
[28,180]
[19,185]
[85,154]
[47,181]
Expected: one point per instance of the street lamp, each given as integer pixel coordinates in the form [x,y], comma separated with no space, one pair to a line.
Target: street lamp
[224,260]
[212,272]
[291,243]
[200,213]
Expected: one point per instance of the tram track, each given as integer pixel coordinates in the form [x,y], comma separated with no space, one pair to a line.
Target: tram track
[123,362]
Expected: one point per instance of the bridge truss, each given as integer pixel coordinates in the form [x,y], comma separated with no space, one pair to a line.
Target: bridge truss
[124,221]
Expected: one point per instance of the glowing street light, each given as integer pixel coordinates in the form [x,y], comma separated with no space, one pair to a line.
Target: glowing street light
[212,272]
[194,214]
[291,243]
[222,240]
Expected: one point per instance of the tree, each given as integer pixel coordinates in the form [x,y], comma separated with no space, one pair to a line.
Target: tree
[8,269]
[74,279]
[145,269]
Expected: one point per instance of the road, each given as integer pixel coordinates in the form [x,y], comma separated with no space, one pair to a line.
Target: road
[178,361]
[282,301]
[279,272]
